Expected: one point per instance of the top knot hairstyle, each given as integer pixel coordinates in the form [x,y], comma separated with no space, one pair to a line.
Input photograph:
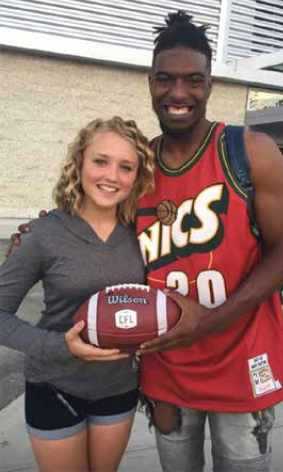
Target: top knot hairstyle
[181,31]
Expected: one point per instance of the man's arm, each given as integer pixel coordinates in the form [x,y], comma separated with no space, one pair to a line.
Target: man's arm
[15,239]
[266,164]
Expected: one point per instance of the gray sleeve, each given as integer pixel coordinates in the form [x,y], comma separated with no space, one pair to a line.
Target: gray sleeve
[35,342]
[20,271]
[17,275]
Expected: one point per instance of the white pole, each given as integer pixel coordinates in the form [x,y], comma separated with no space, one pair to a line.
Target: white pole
[223,33]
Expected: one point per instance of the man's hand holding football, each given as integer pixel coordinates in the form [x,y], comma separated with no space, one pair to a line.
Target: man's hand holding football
[186,331]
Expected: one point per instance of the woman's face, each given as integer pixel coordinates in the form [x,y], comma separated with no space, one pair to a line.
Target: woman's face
[109,170]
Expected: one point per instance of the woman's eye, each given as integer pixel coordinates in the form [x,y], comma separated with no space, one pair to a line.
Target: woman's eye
[127,168]
[99,162]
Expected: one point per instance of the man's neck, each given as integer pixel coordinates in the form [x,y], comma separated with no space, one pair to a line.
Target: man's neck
[179,149]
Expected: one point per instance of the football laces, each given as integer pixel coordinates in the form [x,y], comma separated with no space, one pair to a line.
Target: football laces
[127,286]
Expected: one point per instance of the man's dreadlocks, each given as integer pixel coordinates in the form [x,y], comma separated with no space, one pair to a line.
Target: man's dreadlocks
[180,31]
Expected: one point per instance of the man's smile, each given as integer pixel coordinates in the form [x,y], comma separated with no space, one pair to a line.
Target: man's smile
[178,110]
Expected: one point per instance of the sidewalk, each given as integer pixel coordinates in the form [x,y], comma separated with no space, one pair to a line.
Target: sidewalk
[16,456]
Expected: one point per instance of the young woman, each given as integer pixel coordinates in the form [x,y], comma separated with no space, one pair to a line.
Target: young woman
[80,399]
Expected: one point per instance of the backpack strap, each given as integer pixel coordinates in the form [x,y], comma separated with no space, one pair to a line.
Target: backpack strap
[237,156]
[239,164]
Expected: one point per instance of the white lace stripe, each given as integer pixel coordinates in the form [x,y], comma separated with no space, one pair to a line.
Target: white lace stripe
[92,319]
[127,286]
[161,310]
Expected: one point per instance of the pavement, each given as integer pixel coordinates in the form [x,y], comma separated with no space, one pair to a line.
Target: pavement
[15,451]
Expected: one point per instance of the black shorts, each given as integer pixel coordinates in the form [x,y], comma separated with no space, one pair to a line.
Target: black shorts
[53,414]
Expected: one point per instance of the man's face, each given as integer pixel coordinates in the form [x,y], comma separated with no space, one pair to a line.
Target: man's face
[180,85]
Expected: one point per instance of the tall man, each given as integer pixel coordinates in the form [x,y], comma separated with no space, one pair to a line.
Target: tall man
[223,360]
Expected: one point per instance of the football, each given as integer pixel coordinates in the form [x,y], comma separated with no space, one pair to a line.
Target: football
[124,316]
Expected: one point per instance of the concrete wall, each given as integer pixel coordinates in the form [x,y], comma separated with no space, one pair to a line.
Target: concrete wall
[45,100]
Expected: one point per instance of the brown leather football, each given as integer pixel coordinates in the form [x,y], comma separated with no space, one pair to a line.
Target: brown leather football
[124,316]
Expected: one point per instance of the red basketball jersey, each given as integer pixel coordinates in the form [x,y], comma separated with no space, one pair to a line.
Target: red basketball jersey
[195,236]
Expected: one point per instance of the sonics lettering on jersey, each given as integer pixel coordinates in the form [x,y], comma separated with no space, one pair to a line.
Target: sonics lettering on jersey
[197,228]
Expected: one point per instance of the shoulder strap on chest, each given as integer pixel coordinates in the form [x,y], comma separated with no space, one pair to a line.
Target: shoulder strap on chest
[239,164]
[237,156]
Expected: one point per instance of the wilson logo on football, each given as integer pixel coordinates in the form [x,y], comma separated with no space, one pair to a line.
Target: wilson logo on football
[125,299]
[126,319]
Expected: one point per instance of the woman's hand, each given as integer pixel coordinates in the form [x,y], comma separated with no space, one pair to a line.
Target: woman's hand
[88,352]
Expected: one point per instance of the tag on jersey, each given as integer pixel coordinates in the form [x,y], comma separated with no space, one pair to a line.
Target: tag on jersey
[261,375]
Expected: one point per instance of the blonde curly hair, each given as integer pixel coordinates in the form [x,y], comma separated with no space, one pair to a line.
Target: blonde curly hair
[68,192]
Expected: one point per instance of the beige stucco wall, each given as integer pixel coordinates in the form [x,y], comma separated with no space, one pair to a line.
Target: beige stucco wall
[228,102]
[45,100]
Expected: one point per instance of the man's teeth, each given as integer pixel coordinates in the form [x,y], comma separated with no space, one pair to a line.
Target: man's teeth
[178,110]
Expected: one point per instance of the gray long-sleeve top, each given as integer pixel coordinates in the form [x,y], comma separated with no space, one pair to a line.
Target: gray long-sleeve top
[73,263]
